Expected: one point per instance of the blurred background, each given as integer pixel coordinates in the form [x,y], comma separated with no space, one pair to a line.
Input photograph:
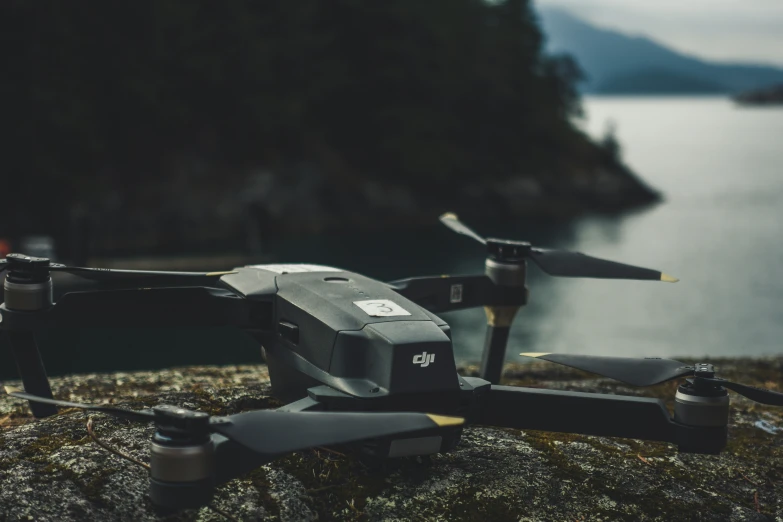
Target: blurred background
[194,135]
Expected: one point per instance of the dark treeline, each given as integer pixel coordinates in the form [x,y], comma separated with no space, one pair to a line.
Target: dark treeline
[426,95]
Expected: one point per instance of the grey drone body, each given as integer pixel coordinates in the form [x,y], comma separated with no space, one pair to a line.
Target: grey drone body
[345,330]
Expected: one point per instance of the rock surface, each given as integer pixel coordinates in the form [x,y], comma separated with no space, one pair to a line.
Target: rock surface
[51,469]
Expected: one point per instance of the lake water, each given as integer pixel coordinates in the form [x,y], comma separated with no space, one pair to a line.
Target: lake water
[720,231]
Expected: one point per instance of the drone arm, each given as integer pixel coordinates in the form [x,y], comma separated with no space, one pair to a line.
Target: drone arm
[577,412]
[593,414]
[447,293]
[146,307]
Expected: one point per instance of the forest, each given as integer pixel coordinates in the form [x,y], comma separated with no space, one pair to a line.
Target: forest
[171,122]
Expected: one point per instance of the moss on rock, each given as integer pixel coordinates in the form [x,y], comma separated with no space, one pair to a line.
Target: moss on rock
[50,469]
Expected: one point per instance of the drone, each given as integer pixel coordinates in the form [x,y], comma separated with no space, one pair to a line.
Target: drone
[357,361]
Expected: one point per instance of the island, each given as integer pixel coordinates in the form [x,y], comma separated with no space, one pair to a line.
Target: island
[52,470]
[768,96]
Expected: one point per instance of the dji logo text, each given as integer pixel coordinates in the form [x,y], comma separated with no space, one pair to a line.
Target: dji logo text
[424,359]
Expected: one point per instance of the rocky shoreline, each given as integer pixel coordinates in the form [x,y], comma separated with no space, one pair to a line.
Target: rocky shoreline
[51,469]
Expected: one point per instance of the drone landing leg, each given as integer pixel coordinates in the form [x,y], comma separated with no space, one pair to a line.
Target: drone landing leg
[509,275]
[31,370]
[498,326]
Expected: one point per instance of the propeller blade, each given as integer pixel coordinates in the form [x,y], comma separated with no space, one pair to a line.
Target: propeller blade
[575,264]
[139,416]
[630,370]
[105,274]
[559,262]
[761,395]
[452,221]
[271,432]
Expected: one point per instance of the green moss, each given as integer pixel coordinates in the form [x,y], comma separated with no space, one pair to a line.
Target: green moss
[262,484]
[564,468]
[207,403]
[40,448]
[90,484]
[466,506]
[603,480]
[140,402]
[334,481]
[753,444]
[93,485]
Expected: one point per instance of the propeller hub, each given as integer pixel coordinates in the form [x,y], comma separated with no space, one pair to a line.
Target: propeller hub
[701,388]
[179,424]
[704,370]
[27,285]
[24,269]
[507,251]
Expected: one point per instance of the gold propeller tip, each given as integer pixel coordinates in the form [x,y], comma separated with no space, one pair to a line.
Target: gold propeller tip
[215,274]
[449,215]
[666,278]
[534,354]
[442,420]
[11,389]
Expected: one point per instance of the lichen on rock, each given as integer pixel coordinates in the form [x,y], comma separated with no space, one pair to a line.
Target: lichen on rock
[51,470]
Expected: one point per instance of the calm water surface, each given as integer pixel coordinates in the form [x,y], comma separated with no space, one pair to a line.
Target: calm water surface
[720,169]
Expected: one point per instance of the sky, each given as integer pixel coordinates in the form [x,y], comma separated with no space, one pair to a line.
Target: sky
[721,30]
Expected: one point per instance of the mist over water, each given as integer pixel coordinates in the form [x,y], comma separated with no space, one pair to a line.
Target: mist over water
[720,230]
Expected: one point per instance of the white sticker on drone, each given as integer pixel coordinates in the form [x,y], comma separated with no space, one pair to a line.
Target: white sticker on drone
[295,268]
[381,308]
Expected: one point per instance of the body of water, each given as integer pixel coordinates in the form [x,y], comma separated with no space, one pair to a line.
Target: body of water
[720,230]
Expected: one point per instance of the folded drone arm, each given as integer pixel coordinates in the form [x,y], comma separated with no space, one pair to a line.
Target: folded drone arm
[577,412]
[592,414]
[145,307]
[446,293]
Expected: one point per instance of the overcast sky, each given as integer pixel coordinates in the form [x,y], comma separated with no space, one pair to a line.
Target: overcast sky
[725,30]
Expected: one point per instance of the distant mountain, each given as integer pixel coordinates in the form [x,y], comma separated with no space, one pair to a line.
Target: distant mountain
[620,63]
